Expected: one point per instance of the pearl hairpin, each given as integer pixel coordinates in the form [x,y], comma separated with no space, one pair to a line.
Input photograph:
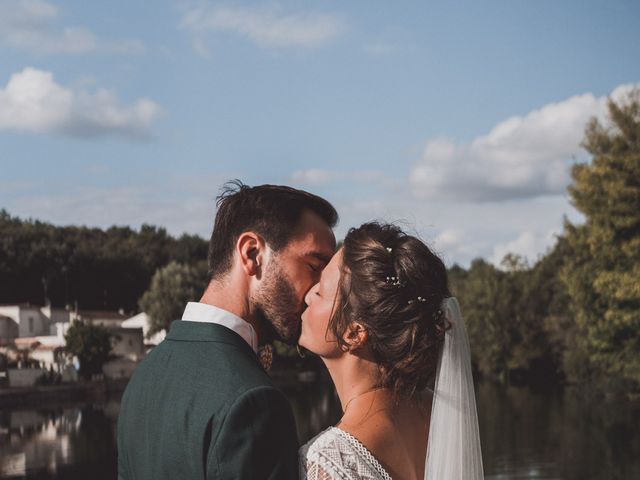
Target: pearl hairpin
[395,281]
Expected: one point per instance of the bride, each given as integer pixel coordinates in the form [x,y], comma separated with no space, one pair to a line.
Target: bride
[383,322]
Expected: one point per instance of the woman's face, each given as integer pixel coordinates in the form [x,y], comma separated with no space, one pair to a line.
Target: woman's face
[320,300]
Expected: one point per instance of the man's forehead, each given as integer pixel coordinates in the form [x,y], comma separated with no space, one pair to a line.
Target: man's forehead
[314,236]
[313,247]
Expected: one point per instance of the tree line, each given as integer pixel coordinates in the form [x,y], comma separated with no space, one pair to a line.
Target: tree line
[573,316]
[87,268]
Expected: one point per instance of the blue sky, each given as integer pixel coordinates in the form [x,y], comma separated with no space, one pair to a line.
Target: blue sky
[460,119]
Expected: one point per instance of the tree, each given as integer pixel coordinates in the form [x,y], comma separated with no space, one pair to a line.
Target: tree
[486,302]
[91,344]
[171,288]
[516,316]
[603,271]
[89,267]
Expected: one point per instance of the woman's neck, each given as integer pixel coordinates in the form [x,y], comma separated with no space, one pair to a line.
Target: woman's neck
[354,378]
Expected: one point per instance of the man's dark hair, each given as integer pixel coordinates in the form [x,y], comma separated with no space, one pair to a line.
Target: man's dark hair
[271,211]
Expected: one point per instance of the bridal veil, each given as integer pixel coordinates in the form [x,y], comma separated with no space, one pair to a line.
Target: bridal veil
[453,451]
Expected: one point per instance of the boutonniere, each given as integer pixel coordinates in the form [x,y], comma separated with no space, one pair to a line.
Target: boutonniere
[265,356]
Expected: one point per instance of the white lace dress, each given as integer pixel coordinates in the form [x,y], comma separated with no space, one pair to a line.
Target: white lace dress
[337,455]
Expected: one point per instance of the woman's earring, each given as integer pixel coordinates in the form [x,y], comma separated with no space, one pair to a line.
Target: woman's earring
[300,352]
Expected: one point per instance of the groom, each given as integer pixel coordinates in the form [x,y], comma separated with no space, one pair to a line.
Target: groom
[200,406]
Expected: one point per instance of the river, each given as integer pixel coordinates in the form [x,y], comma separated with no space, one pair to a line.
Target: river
[525,435]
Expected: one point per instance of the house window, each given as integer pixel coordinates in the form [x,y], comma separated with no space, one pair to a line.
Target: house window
[30,324]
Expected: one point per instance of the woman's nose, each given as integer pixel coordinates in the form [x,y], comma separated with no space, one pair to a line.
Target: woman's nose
[309,295]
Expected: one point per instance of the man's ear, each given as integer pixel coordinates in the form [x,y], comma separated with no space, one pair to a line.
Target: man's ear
[356,336]
[251,249]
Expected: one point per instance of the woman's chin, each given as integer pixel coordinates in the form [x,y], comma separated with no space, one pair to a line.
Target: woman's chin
[302,341]
[307,345]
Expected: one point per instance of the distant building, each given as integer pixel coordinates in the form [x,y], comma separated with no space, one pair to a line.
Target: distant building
[9,329]
[59,318]
[47,351]
[35,321]
[128,350]
[143,321]
[128,343]
[33,335]
[30,319]
[107,319]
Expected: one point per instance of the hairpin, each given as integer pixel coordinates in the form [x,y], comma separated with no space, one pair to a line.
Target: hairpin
[419,299]
[395,281]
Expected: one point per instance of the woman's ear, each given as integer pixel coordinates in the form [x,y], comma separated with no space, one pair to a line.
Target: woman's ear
[251,250]
[356,336]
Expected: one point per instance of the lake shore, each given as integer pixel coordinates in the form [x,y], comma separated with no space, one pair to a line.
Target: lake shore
[79,391]
[289,379]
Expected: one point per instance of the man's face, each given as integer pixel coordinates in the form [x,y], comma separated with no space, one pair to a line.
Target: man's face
[291,272]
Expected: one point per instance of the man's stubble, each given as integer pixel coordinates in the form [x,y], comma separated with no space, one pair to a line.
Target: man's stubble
[278,308]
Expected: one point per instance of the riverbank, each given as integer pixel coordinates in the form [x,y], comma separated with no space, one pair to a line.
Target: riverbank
[45,394]
[285,378]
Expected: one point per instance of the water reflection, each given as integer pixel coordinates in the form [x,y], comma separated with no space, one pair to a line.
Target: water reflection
[77,442]
[50,443]
[556,435]
[525,435]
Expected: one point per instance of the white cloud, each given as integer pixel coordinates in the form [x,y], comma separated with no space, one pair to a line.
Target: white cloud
[312,176]
[30,25]
[178,203]
[32,101]
[449,238]
[458,231]
[520,157]
[318,176]
[528,244]
[266,27]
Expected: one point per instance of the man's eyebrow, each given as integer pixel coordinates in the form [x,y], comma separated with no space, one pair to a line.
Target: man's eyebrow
[320,256]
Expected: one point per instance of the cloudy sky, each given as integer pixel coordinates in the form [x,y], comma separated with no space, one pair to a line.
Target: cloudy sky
[459,119]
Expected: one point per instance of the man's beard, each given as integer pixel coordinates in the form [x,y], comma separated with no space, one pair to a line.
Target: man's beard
[278,308]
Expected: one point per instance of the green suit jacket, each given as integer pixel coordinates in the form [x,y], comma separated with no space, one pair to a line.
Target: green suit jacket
[201,407]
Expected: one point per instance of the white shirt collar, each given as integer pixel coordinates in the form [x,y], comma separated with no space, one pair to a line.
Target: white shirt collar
[203,312]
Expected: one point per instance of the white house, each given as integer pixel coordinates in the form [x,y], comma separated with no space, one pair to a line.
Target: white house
[103,318]
[45,350]
[128,349]
[31,321]
[128,343]
[59,318]
[37,333]
[142,320]
[8,328]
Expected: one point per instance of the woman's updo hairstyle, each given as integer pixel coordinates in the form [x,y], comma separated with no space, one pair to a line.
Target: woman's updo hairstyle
[394,285]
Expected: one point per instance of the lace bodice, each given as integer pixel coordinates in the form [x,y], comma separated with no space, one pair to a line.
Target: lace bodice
[336,455]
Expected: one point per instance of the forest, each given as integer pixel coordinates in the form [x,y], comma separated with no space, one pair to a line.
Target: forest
[573,317]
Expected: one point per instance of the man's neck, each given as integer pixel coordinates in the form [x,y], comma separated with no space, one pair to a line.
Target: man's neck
[234,299]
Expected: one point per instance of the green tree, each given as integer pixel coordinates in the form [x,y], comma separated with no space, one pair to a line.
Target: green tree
[486,300]
[547,302]
[171,288]
[88,267]
[603,271]
[515,316]
[91,344]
